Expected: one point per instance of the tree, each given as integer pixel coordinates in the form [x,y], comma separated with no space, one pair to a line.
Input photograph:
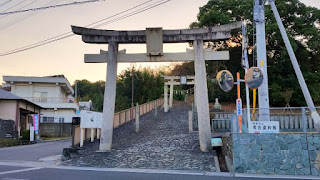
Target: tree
[148,86]
[303,29]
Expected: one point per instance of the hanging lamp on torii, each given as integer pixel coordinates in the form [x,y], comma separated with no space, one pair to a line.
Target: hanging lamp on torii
[154,38]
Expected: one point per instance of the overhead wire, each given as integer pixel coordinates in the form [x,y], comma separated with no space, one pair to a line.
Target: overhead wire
[48,7]
[69,34]
[15,5]
[30,14]
[20,8]
[5,3]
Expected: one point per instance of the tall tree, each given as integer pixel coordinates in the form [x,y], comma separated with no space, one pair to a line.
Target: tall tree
[303,28]
[148,86]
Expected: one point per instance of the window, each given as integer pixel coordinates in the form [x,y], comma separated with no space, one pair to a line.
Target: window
[47,119]
[40,96]
[61,120]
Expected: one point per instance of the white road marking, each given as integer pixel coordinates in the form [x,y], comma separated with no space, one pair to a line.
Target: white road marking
[20,170]
[13,179]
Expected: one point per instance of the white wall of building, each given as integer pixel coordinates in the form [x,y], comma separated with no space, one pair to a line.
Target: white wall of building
[58,114]
[55,104]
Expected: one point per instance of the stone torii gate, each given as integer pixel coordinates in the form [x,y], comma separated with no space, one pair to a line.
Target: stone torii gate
[171,83]
[154,38]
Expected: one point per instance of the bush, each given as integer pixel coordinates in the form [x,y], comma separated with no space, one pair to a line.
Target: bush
[26,135]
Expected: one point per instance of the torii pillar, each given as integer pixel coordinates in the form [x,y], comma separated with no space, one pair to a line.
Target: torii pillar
[154,37]
[172,81]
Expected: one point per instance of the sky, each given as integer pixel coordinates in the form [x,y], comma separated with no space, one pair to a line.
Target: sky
[66,56]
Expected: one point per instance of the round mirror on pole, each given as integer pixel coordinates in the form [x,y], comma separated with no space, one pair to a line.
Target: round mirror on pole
[254,78]
[225,80]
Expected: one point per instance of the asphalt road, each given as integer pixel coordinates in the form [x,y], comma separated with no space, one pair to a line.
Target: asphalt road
[33,152]
[39,173]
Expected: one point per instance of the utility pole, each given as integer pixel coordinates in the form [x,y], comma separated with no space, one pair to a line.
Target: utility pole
[132,90]
[76,90]
[259,20]
[245,64]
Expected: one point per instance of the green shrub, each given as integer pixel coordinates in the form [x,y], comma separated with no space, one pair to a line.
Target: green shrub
[26,135]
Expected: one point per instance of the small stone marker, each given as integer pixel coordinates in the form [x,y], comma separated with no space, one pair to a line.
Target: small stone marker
[217,105]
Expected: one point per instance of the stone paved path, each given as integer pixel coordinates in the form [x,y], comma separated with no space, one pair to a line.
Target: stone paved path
[162,143]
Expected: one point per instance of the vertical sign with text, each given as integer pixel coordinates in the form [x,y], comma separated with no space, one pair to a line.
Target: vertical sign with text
[36,123]
[239,107]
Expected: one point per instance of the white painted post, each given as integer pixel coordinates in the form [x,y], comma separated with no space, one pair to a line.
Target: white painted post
[109,98]
[171,93]
[98,133]
[137,118]
[190,121]
[165,98]
[194,95]
[202,97]
[92,138]
[81,136]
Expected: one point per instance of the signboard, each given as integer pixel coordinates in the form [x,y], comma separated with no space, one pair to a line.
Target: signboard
[239,107]
[31,133]
[90,119]
[183,80]
[261,127]
[36,123]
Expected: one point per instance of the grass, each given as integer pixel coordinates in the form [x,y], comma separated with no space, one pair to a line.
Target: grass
[13,142]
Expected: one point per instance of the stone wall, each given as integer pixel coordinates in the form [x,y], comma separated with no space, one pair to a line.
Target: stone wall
[8,129]
[284,154]
[55,129]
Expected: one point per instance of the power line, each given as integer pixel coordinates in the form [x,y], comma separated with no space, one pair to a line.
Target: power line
[20,8]
[5,3]
[11,23]
[14,6]
[48,7]
[69,34]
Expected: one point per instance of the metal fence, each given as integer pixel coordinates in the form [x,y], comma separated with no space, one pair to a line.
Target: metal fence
[291,119]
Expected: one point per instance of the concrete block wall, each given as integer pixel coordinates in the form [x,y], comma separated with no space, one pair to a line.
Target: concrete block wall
[282,154]
[55,129]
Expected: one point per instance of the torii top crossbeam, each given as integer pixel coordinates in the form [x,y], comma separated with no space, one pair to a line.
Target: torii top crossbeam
[169,36]
[154,39]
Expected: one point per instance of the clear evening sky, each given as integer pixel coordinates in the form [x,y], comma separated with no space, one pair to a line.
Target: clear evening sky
[66,56]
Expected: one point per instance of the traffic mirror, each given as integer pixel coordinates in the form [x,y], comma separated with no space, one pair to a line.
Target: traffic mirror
[254,78]
[225,80]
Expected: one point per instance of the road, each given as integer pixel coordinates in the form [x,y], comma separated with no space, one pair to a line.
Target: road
[33,152]
[69,173]
[22,163]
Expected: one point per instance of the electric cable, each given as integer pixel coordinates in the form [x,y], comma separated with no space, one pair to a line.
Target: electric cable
[5,3]
[19,8]
[14,5]
[30,14]
[69,34]
[48,7]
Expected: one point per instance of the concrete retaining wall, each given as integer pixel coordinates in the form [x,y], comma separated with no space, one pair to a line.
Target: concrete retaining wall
[283,154]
